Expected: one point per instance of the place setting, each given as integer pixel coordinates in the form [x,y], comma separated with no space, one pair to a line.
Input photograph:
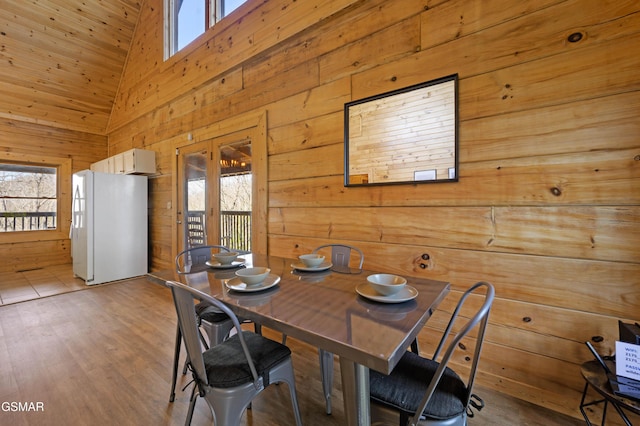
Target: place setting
[311,263]
[386,288]
[249,280]
[226,260]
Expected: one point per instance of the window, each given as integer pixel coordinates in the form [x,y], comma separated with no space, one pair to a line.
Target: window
[28,197]
[187,19]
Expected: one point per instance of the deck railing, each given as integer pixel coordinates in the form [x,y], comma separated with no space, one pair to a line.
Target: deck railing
[235,229]
[27,221]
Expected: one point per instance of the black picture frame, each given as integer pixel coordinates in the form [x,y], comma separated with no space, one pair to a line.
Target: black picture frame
[404,136]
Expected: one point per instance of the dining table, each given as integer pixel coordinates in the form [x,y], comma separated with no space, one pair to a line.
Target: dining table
[334,310]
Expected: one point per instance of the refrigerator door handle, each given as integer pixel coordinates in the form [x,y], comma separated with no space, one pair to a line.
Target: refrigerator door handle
[76,196]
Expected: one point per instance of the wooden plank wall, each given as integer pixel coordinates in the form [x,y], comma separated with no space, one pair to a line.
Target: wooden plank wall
[23,141]
[547,206]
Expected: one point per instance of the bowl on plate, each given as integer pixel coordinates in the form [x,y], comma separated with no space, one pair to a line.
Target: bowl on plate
[226,257]
[253,276]
[386,284]
[311,260]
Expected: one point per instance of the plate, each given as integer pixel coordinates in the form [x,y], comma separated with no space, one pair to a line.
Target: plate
[217,265]
[407,293]
[302,267]
[236,284]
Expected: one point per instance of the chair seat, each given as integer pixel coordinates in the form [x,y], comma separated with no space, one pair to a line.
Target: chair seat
[405,387]
[210,313]
[227,367]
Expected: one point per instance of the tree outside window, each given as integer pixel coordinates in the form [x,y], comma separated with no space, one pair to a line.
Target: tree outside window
[28,197]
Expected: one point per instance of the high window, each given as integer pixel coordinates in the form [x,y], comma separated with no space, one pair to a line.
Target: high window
[187,19]
[28,197]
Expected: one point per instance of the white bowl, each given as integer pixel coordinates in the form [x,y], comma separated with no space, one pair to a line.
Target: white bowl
[226,258]
[253,276]
[386,284]
[311,260]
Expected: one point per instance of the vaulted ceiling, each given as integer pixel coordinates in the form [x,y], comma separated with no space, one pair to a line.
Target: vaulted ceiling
[61,60]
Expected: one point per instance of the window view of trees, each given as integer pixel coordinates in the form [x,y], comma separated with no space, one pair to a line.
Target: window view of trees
[196,195]
[28,197]
[235,193]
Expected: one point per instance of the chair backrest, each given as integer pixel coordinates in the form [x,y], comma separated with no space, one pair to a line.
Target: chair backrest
[341,255]
[187,259]
[479,320]
[183,297]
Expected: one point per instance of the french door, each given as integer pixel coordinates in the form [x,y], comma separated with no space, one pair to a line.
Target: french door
[218,180]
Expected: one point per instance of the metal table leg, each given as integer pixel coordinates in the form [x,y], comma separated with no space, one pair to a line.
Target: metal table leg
[355,392]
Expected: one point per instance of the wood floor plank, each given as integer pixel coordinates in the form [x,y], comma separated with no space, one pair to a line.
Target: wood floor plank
[103,355]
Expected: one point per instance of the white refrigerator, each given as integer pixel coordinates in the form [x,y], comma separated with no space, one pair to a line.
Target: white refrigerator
[109,226]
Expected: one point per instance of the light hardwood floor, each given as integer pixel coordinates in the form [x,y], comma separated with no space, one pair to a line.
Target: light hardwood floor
[102,355]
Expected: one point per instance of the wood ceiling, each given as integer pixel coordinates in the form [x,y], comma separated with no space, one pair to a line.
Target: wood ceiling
[61,60]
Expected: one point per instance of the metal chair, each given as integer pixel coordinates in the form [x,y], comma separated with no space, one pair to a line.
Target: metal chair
[216,324]
[231,374]
[196,232]
[340,258]
[427,390]
[195,257]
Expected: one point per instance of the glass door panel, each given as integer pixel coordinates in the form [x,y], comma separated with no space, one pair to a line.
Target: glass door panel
[235,195]
[193,165]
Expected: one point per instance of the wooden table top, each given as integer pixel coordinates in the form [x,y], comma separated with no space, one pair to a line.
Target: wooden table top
[324,310]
